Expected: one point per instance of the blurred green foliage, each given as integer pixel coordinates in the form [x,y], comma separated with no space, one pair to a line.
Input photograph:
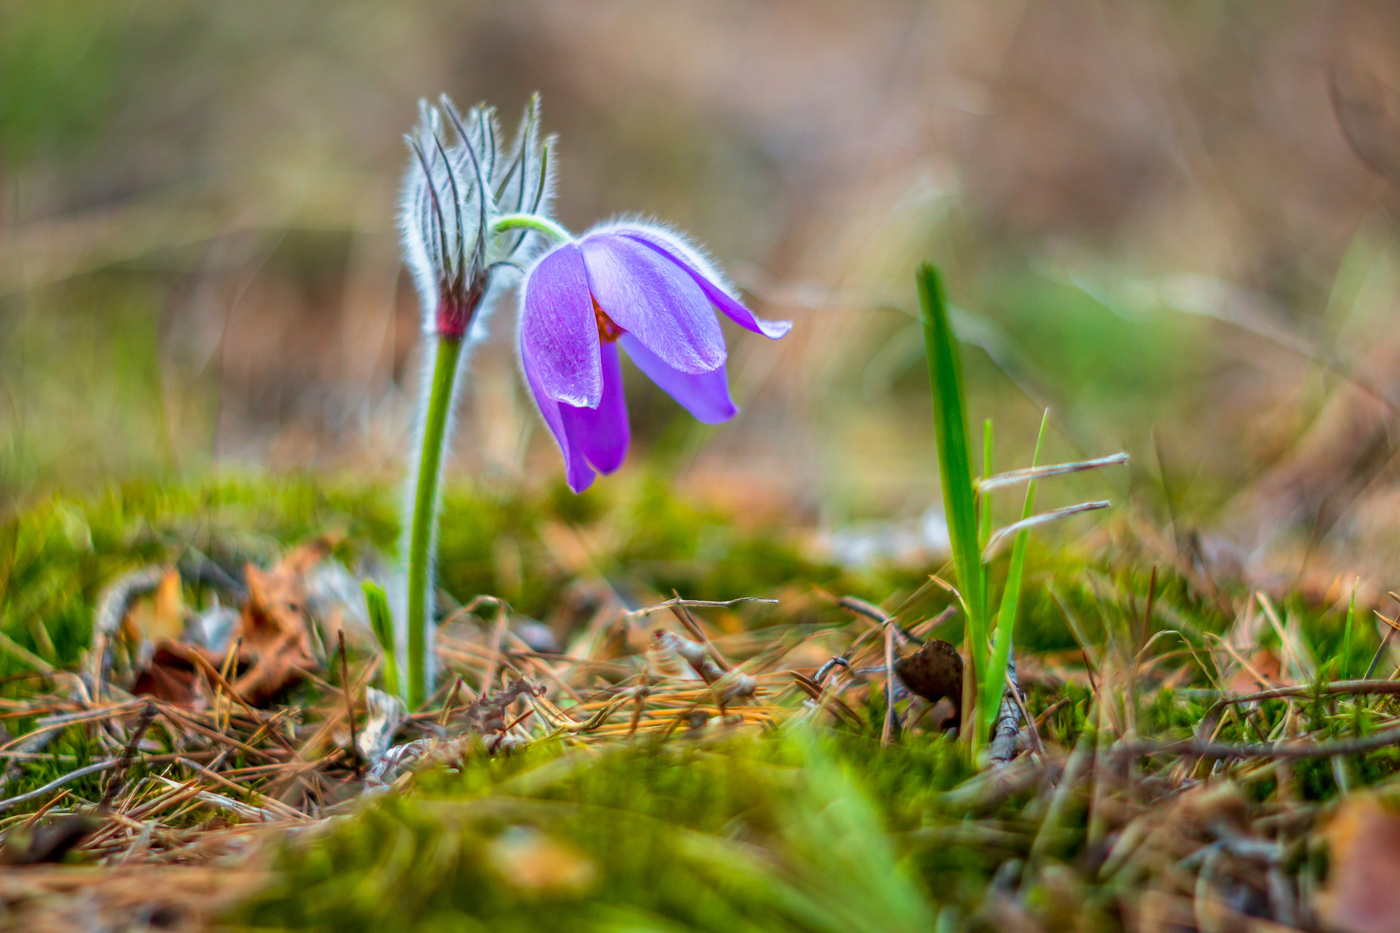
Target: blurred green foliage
[57,82]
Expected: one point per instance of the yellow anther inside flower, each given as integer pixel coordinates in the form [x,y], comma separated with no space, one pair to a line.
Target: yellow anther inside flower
[608,331]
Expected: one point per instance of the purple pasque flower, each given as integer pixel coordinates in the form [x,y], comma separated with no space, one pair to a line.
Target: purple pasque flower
[644,289]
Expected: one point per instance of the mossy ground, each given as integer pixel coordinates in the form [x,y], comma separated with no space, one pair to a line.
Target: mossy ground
[806,826]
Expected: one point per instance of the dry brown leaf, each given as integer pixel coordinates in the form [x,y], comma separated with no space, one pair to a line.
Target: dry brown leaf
[1363,884]
[278,641]
[171,676]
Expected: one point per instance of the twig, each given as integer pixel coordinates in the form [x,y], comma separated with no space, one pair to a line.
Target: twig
[235,648]
[1032,726]
[1281,750]
[63,720]
[73,775]
[1051,710]
[112,606]
[1003,535]
[39,813]
[888,731]
[349,700]
[493,664]
[1210,721]
[697,604]
[837,661]
[871,611]
[1336,688]
[1003,745]
[116,780]
[823,697]
[1014,477]
[256,714]
[174,716]
[447,705]
[267,803]
[1380,651]
[1089,669]
[862,607]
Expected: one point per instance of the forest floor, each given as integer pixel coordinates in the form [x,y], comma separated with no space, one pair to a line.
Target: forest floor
[639,726]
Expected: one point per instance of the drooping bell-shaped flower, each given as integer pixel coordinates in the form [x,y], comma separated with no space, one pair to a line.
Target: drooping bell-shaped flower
[641,288]
[454,193]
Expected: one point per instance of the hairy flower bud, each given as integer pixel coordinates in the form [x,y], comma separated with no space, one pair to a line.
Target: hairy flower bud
[468,208]
[461,179]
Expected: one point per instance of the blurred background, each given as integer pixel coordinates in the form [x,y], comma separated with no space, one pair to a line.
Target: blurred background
[1171,223]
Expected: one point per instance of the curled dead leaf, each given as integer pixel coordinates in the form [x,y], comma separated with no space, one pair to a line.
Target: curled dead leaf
[277,643]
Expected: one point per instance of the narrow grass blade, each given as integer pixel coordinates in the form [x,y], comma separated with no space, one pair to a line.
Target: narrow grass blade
[955,473]
[984,501]
[954,446]
[1345,667]
[990,702]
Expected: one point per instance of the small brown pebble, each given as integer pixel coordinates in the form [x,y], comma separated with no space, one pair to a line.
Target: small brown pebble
[934,672]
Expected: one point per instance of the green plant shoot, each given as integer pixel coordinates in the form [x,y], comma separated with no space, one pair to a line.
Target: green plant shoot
[955,473]
[989,704]
[381,622]
[969,516]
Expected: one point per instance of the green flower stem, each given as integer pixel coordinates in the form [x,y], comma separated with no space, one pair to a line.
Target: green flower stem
[425,508]
[531,222]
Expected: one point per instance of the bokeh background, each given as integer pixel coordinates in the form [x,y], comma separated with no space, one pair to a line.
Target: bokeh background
[1173,223]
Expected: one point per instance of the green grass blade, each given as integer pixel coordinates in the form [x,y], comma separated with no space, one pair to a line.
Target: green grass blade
[984,500]
[954,446]
[1345,667]
[955,467]
[381,621]
[990,701]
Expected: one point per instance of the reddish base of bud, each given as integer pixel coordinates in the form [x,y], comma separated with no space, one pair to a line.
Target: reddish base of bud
[452,321]
[459,303]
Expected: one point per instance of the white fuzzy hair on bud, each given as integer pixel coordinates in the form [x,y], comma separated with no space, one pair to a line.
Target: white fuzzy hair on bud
[461,178]
[461,181]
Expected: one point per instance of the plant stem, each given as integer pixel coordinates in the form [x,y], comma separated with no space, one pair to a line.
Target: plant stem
[425,508]
[531,222]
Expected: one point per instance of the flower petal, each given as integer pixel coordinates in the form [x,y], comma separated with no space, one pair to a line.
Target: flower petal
[576,469]
[706,395]
[558,330]
[655,300]
[681,256]
[602,433]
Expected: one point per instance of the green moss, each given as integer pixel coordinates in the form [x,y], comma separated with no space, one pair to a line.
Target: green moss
[785,831]
[769,833]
